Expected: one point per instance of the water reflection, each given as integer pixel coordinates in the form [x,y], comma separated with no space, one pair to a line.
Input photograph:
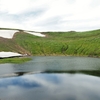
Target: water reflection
[86,72]
[51,78]
[50,87]
[41,64]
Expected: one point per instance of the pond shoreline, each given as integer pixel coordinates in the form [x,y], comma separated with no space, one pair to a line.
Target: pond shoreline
[25,58]
[66,55]
[15,60]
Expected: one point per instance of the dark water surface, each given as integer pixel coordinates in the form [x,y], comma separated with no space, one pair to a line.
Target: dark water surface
[51,78]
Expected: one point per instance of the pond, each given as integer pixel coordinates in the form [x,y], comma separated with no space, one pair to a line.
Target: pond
[51,78]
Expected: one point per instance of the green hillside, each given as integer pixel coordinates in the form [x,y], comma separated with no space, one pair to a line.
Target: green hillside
[55,43]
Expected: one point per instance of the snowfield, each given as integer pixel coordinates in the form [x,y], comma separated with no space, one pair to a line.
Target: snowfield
[9,33]
[9,54]
[36,34]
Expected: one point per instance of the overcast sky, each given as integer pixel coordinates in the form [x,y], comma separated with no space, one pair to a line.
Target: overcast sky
[50,15]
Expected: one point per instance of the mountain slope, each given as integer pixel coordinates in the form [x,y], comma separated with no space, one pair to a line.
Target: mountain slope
[55,43]
[10,45]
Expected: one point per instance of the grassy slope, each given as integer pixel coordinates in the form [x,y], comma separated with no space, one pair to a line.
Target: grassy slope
[61,43]
[10,44]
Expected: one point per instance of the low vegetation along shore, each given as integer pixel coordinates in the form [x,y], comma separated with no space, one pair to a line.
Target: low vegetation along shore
[54,43]
[15,60]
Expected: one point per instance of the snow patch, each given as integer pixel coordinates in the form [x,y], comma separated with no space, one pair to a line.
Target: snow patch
[9,54]
[7,33]
[36,34]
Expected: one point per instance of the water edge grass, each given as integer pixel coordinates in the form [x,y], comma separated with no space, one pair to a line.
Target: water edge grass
[15,60]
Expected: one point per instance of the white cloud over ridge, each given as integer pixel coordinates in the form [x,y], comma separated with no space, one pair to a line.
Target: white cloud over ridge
[50,15]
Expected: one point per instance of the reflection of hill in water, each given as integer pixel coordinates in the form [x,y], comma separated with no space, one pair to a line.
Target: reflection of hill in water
[87,72]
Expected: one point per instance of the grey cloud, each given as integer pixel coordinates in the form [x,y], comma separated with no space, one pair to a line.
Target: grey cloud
[36,16]
[33,13]
[53,21]
[21,18]
[9,17]
[71,1]
[95,3]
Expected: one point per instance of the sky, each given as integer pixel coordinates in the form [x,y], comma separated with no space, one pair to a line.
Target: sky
[50,15]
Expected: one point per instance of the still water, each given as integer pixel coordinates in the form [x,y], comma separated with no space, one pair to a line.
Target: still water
[51,78]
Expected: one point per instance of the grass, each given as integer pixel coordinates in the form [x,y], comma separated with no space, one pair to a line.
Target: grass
[62,43]
[55,43]
[15,60]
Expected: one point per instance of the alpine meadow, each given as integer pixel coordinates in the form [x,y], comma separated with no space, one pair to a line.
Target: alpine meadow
[70,43]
